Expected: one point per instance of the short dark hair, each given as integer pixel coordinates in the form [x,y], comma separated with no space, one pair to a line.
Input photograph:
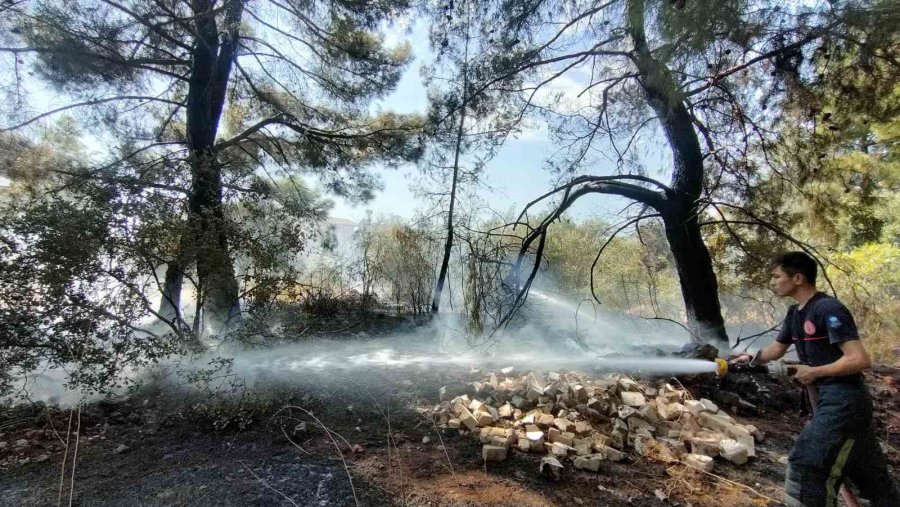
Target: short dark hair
[796,262]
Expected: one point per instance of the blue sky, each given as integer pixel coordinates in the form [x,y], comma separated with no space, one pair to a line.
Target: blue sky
[514,176]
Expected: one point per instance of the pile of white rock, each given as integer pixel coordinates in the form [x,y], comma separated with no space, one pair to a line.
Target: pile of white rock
[573,416]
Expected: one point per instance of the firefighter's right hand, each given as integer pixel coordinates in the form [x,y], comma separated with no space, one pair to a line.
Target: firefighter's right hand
[740,358]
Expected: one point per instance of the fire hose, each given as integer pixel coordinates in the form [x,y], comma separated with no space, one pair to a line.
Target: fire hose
[779,369]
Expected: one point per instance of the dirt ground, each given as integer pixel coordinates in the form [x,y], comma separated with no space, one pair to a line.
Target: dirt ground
[159,448]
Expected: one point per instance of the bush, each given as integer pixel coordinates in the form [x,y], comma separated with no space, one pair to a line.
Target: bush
[869,284]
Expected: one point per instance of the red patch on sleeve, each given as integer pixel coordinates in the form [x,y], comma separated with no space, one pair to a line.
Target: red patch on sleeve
[809,328]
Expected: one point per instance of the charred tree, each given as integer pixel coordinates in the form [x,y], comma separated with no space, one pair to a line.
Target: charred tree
[694,71]
[699,286]
[212,58]
[208,109]
[448,243]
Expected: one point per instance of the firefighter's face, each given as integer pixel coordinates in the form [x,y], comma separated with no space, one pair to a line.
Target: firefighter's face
[783,284]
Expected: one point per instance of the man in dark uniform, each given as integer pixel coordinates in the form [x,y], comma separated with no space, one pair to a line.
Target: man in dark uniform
[839,441]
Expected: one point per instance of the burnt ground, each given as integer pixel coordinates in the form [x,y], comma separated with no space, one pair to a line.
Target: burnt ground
[158,448]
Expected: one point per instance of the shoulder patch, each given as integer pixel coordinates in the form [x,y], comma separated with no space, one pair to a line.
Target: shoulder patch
[833,322]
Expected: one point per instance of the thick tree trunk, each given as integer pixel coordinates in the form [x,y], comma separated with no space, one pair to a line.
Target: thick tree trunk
[699,286]
[215,270]
[170,300]
[212,62]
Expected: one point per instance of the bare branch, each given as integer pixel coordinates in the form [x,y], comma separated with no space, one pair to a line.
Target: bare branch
[92,102]
[607,243]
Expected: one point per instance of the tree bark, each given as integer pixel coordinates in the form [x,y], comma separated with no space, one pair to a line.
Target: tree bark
[211,69]
[448,245]
[170,299]
[699,285]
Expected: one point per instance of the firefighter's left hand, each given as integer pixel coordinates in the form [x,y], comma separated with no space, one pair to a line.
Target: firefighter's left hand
[805,374]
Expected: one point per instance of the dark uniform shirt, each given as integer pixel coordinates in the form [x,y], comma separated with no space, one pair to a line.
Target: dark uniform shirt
[817,330]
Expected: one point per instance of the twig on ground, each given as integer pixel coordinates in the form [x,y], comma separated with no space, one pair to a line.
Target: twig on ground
[331,434]
[392,439]
[386,415]
[734,483]
[686,392]
[444,447]
[266,484]
[53,426]
[889,446]
[62,472]
[15,422]
[75,455]
[292,442]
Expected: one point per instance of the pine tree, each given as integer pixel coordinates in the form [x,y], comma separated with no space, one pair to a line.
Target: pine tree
[705,78]
[199,100]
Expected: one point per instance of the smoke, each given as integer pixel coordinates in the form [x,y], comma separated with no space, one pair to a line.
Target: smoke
[555,335]
[587,327]
[551,333]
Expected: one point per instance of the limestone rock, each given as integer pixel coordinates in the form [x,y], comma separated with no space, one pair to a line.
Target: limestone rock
[483,418]
[642,444]
[583,428]
[695,407]
[704,446]
[543,420]
[649,412]
[493,453]
[564,425]
[610,453]
[467,419]
[551,465]
[699,461]
[590,462]
[733,451]
[633,399]
[636,423]
[561,450]
[625,412]
[709,405]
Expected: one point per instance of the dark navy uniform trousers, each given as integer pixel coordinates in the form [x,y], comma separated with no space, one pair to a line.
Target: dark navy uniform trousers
[838,444]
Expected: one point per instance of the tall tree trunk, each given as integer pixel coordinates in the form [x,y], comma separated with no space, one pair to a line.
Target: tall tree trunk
[211,69]
[170,299]
[699,286]
[214,265]
[448,245]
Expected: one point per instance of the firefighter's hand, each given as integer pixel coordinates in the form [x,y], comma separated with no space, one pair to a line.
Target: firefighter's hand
[805,374]
[740,358]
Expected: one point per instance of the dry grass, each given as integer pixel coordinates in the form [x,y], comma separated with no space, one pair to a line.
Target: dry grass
[702,489]
[473,487]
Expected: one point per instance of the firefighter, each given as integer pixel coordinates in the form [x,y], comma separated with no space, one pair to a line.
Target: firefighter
[839,442]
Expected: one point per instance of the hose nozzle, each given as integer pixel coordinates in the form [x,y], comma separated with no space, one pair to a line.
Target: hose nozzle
[775,368]
[721,367]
